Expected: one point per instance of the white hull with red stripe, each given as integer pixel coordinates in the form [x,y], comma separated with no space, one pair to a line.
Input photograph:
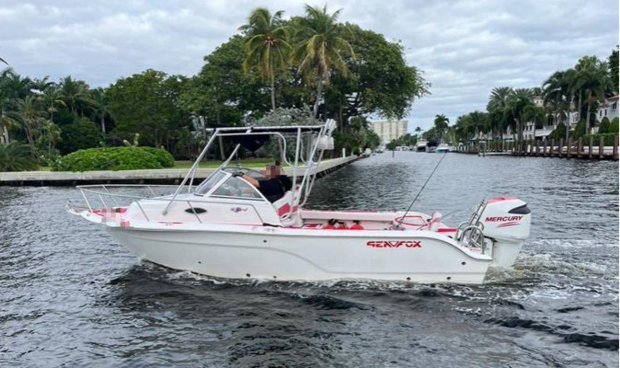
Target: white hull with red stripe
[423,250]
[295,254]
[232,226]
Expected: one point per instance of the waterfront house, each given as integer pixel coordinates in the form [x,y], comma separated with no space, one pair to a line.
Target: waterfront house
[608,108]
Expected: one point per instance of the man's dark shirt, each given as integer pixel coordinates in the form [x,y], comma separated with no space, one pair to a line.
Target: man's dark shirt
[272,189]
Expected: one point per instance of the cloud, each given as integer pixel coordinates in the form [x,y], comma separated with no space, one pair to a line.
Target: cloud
[465,48]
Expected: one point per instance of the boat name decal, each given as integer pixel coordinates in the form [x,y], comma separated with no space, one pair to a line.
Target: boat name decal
[394,244]
[503,219]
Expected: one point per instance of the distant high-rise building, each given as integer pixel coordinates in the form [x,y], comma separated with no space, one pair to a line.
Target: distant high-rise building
[389,130]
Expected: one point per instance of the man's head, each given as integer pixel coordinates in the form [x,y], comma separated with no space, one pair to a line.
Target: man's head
[273,171]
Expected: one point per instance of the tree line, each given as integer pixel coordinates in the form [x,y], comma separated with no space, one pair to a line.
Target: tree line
[578,90]
[312,62]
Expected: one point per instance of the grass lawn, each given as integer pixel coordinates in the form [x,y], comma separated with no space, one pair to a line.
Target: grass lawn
[252,163]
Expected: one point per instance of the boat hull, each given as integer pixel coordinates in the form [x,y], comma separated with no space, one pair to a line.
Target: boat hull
[267,253]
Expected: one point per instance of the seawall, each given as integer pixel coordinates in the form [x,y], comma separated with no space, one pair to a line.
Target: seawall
[160,176]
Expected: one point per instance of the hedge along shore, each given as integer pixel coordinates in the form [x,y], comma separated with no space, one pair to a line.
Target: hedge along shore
[582,149]
[158,176]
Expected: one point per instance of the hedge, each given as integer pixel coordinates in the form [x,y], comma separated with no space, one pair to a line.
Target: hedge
[580,129]
[164,158]
[115,158]
[613,127]
[607,137]
[559,132]
[604,126]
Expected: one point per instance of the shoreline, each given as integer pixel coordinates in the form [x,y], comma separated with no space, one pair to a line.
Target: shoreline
[157,176]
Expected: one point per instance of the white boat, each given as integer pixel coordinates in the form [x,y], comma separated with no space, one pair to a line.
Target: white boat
[226,227]
[442,148]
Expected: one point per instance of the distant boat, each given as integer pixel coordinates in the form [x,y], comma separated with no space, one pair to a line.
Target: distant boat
[442,148]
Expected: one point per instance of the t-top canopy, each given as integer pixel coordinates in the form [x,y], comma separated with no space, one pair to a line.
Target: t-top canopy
[267,129]
[254,137]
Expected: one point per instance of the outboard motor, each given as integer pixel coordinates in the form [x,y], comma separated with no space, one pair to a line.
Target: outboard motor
[506,222]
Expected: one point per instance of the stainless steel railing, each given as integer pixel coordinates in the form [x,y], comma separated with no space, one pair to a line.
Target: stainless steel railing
[101,191]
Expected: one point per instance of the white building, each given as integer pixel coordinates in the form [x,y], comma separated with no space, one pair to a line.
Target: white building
[389,130]
[608,109]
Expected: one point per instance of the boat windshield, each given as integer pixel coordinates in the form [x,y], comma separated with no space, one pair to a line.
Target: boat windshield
[208,184]
[235,187]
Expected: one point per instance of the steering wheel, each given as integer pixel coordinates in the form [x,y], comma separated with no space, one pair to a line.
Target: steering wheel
[246,171]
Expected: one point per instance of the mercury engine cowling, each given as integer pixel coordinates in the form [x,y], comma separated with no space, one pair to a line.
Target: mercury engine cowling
[506,222]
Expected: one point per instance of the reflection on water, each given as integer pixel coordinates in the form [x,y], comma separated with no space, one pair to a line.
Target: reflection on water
[69,296]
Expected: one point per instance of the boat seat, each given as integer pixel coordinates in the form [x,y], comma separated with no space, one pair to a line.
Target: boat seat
[283,207]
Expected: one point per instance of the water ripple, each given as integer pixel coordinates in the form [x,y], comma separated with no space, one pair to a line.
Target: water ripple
[70,297]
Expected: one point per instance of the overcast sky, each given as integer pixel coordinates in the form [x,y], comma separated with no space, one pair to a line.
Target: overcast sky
[465,48]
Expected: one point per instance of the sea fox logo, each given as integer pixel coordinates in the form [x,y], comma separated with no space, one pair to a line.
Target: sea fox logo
[503,219]
[394,244]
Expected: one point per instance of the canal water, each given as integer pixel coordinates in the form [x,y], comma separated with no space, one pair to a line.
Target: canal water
[70,297]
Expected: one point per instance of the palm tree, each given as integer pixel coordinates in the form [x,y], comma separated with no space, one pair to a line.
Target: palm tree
[463,128]
[479,122]
[558,92]
[100,106]
[12,86]
[441,125]
[321,47]
[535,114]
[16,156]
[74,94]
[50,135]
[50,98]
[42,84]
[593,80]
[29,116]
[496,107]
[267,45]
[517,103]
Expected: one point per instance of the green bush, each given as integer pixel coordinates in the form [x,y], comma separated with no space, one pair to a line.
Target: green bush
[559,132]
[81,134]
[613,127]
[580,129]
[607,137]
[604,127]
[164,157]
[114,158]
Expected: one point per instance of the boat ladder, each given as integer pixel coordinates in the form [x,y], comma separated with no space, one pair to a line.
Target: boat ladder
[470,233]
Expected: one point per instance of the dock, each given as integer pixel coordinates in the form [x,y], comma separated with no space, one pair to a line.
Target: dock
[159,176]
[580,149]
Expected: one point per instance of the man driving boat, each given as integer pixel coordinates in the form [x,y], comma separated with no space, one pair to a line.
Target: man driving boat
[272,187]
